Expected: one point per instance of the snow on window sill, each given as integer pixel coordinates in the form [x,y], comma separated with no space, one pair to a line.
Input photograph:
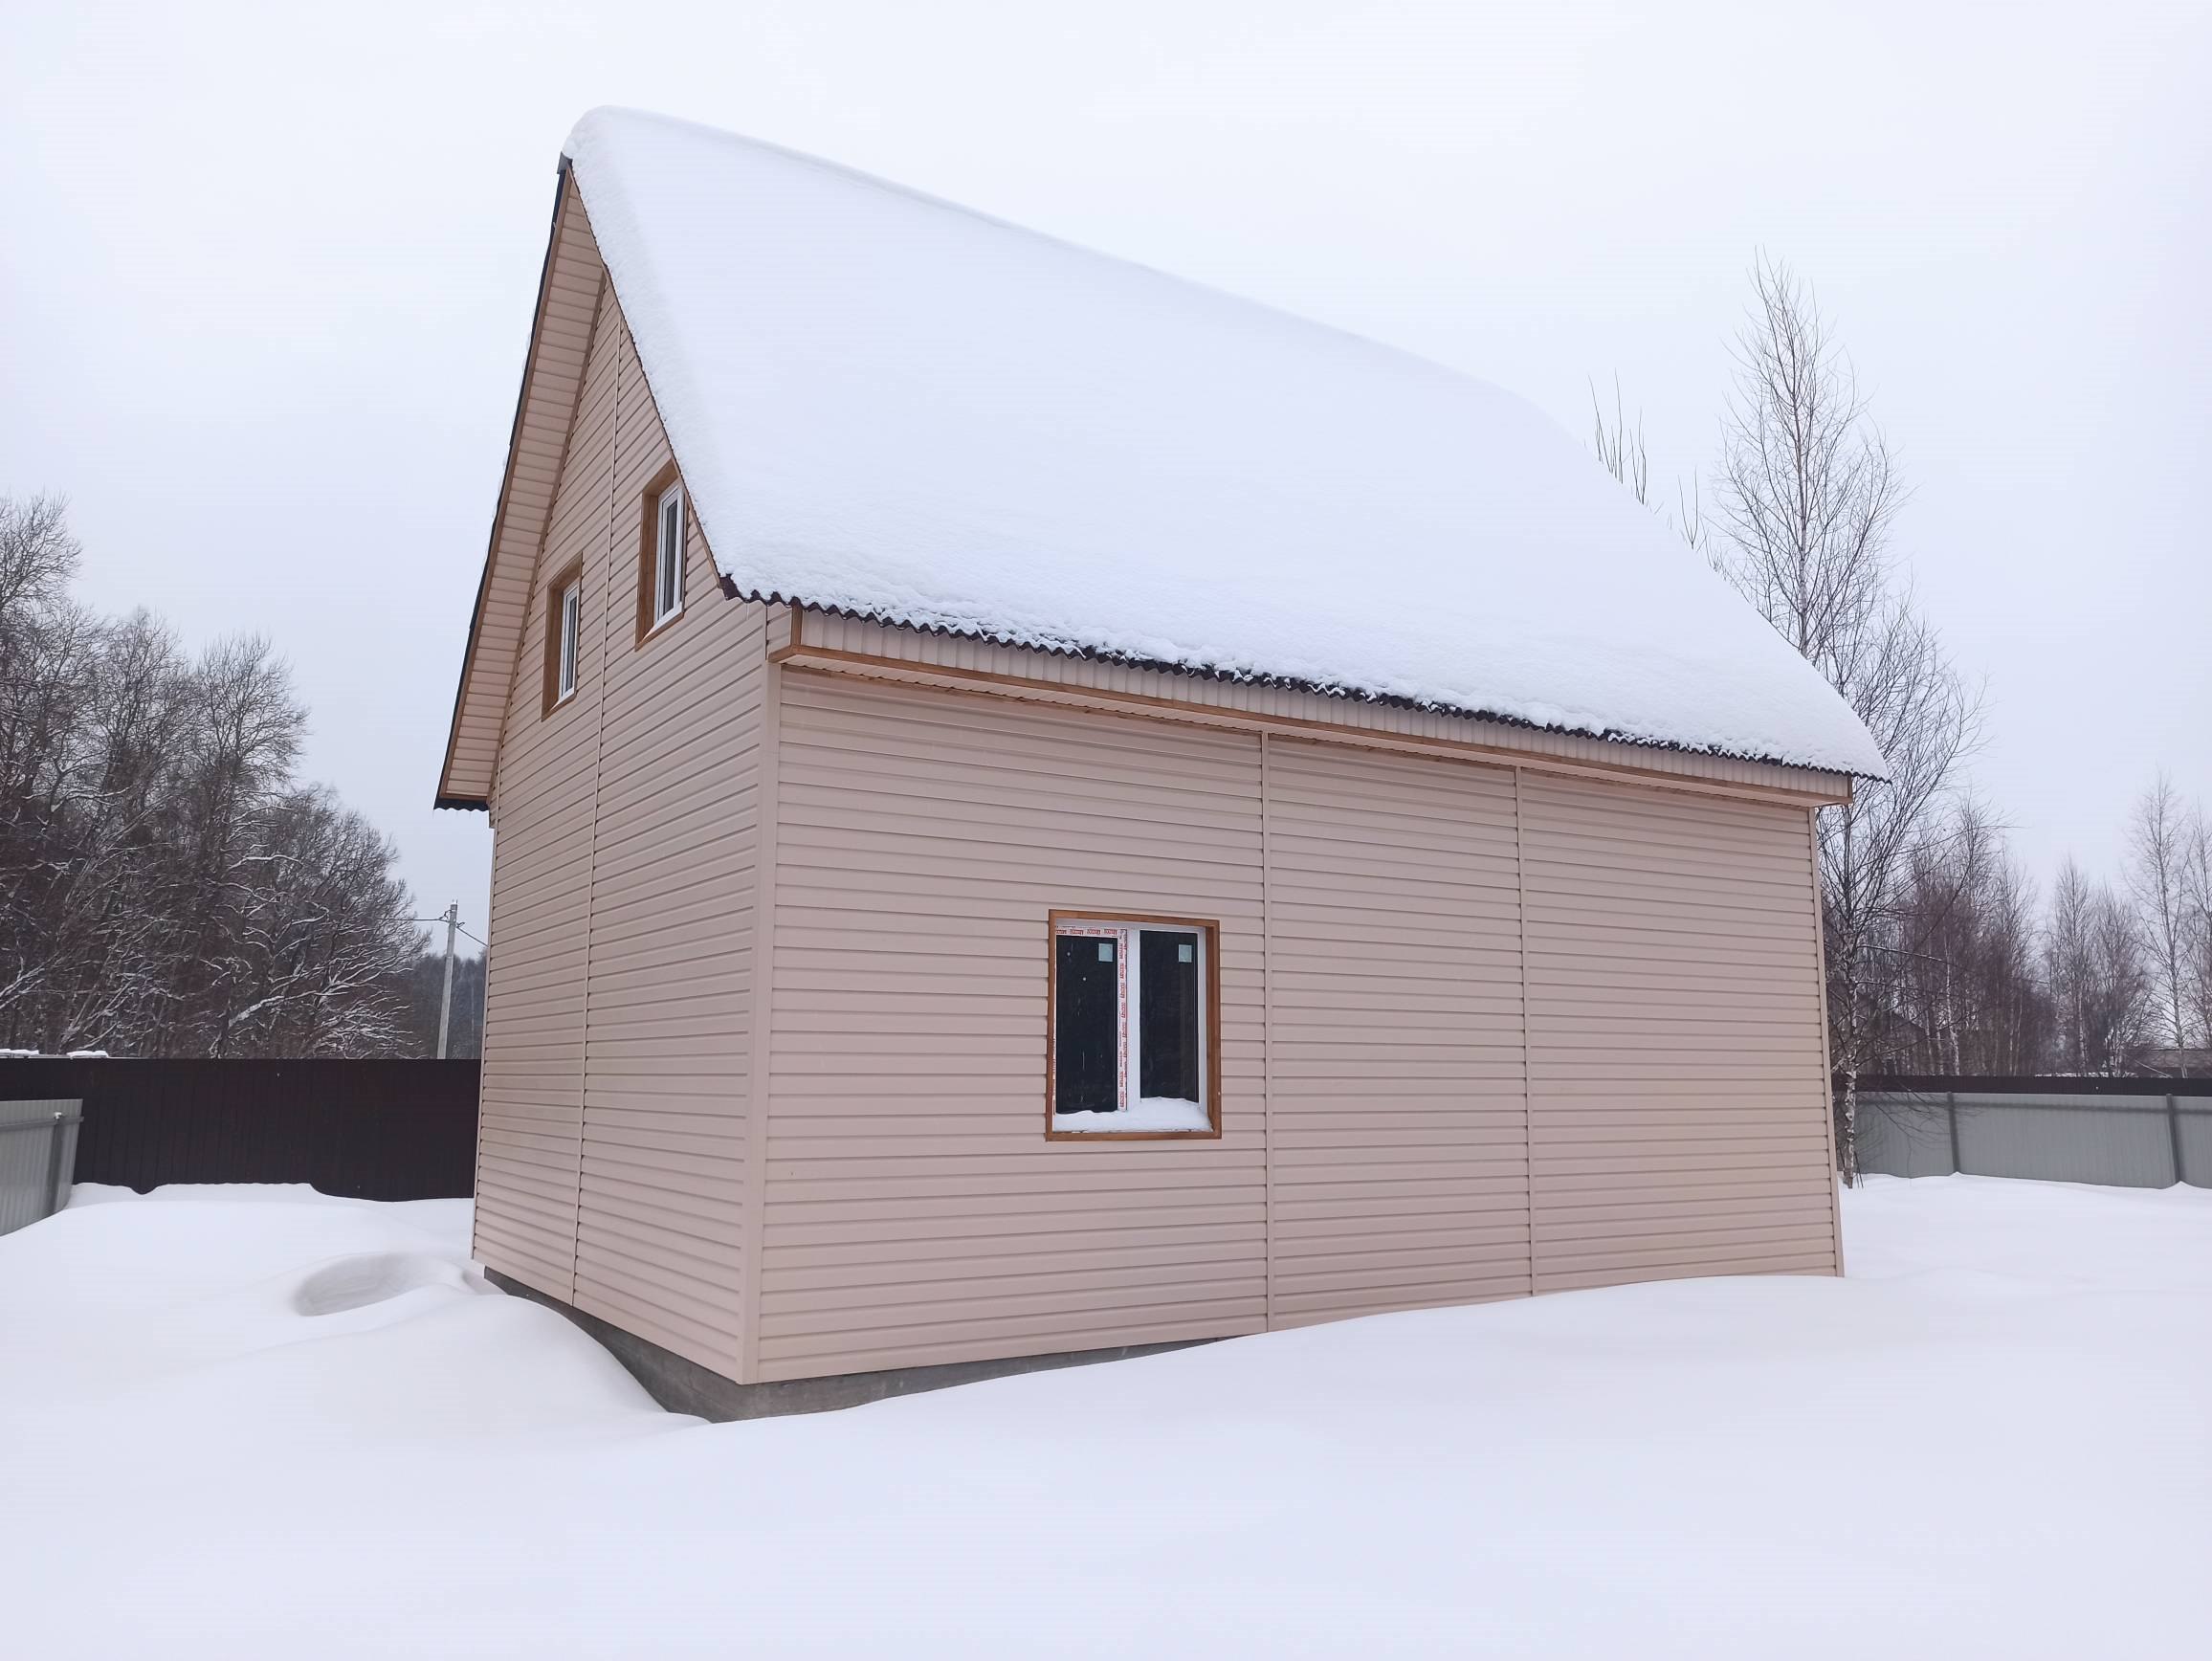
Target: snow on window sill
[1155,1112]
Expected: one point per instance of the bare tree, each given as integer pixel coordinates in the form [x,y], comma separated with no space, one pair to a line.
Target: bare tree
[1958,987]
[2121,1013]
[2196,916]
[2160,834]
[314,962]
[2099,984]
[37,556]
[166,887]
[1807,495]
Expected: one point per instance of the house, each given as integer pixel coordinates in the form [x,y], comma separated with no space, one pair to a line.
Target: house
[1041,810]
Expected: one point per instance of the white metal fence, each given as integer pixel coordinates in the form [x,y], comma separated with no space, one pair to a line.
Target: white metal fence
[2142,1137]
[37,1155]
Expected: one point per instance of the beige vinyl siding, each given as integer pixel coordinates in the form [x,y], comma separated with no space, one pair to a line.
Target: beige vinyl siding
[1425,1101]
[914,1211]
[1676,1060]
[530,1140]
[1207,697]
[618,1013]
[1397,1093]
[660,1224]
[559,346]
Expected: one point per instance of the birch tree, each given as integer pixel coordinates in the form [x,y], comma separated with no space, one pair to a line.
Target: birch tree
[1805,502]
[2099,987]
[2160,834]
[2197,912]
[1961,979]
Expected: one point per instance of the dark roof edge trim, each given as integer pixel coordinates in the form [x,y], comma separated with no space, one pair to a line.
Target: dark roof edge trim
[463,804]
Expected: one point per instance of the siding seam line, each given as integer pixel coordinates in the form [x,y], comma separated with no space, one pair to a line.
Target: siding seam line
[591,843]
[1267,1038]
[767,862]
[1826,1084]
[1527,1043]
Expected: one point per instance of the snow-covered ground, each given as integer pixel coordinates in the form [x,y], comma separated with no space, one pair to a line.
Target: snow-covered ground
[257,1423]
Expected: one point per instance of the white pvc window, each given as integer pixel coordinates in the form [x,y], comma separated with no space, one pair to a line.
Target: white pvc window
[1131,1027]
[667,555]
[571,636]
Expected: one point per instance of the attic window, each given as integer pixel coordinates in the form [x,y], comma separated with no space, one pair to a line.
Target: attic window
[571,614]
[667,555]
[1132,1035]
[564,635]
[660,545]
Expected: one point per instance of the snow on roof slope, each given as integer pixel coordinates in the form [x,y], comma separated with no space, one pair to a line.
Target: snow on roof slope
[890,406]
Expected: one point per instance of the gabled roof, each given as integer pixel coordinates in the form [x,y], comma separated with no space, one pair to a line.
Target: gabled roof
[889,406]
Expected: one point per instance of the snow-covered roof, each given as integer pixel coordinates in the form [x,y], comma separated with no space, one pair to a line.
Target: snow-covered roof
[890,406]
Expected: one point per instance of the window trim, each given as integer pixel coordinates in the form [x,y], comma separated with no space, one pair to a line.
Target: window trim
[1208,930]
[568,580]
[650,620]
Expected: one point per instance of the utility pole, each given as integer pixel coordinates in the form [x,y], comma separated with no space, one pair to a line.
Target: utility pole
[452,917]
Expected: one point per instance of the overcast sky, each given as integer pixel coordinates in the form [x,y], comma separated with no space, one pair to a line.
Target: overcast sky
[266,276]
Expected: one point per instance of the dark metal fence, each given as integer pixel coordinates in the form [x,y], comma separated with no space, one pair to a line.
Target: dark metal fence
[2145,1133]
[370,1130]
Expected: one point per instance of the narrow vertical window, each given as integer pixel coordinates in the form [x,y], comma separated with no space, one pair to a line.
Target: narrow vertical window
[1130,1028]
[564,635]
[667,555]
[571,621]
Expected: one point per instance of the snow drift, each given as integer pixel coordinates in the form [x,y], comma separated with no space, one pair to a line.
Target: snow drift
[1991,1439]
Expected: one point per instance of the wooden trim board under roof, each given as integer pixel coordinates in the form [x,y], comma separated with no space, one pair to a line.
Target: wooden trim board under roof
[836,644]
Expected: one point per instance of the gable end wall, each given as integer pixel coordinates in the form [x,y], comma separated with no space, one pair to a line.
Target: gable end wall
[619,998]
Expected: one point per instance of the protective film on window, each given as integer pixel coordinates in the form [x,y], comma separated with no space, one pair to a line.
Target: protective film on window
[1087,1050]
[1130,1027]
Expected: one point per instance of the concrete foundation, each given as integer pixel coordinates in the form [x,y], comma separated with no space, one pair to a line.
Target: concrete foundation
[684,1387]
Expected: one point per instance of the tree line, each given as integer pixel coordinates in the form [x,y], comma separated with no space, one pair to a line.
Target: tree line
[1941,955]
[1985,975]
[167,885]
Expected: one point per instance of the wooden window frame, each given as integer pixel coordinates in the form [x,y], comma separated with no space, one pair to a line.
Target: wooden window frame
[567,577]
[1209,929]
[648,624]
